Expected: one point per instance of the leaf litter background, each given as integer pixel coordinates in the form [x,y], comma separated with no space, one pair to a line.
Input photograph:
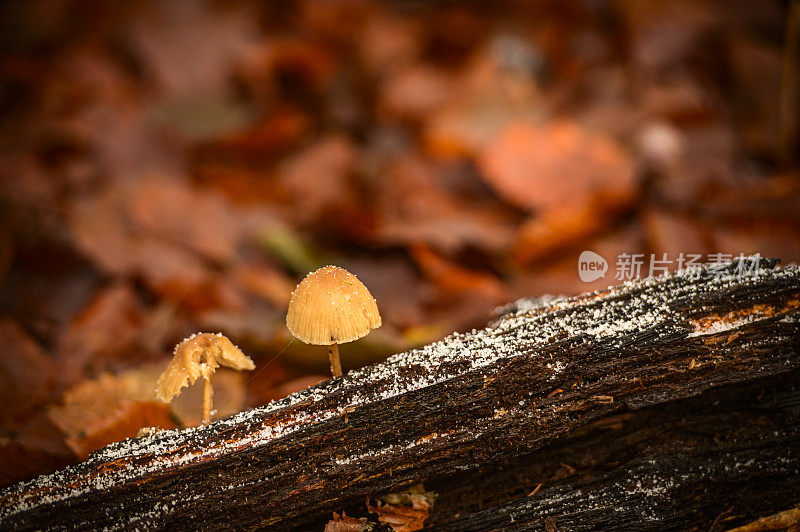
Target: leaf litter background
[172,167]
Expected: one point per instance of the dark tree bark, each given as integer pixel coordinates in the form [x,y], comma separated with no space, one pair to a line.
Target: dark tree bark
[668,404]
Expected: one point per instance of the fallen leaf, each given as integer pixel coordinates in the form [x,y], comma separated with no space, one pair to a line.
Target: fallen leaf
[100,232]
[405,511]
[414,207]
[556,228]
[389,41]
[319,179]
[102,229]
[109,409]
[204,41]
[673,234]
[415,92]
[266,282]
[103,232]
[27,374]
[101,336]
[36,447]
[452,279]
[264,141]
[557,165]
[45,288]
[196,219]
[500,87]
[344,523]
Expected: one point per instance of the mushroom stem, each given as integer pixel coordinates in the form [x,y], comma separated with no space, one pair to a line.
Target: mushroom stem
[336,365]
[208,393]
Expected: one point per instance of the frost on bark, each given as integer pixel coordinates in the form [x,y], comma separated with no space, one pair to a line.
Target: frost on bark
[671,403]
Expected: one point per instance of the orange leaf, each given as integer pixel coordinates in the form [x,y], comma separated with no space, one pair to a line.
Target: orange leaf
[555,165]
[452,279]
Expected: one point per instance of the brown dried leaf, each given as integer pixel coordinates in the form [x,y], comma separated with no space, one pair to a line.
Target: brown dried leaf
[415,92]
[109,409]
[554,229]
[162,248]
[344,523]
[673,234]
[27,374]
[319,178]
[37,447]
[205,42]
[498,88]
[102,335]
[558,164]
[266,282]
[196,219]
[264,141]
[413,207]
[388,42]
[103,232]
[452,279]
[405,511]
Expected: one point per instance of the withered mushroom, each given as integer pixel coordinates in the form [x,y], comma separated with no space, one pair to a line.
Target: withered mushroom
[330,307]
[199,356]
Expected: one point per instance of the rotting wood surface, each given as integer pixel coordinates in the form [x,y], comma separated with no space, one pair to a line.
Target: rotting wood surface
[477,415]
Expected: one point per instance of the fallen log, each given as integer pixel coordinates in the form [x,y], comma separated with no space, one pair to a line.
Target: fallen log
[667,403]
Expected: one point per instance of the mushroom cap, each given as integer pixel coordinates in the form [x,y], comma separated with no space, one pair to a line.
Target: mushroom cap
[198,356]
[331,306]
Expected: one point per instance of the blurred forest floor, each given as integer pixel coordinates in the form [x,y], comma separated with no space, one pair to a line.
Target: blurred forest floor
[172,167]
